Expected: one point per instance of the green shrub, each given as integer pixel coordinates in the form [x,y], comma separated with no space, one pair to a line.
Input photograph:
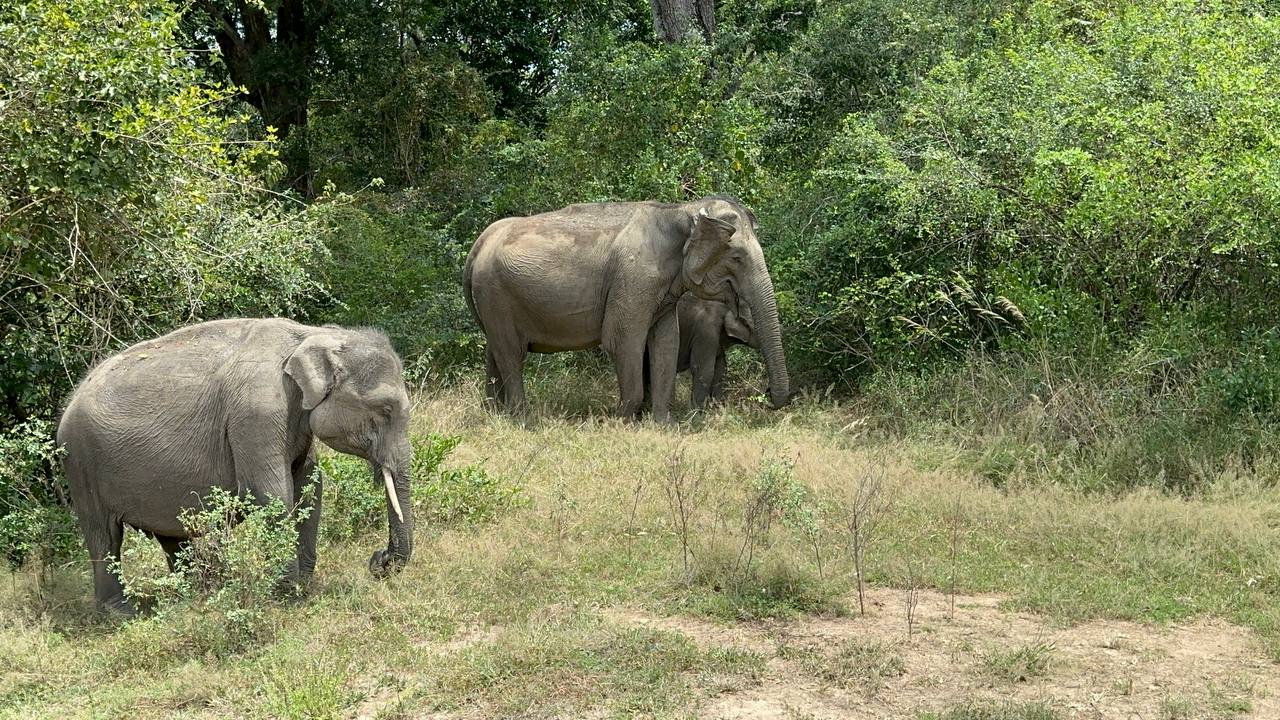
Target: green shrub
[227,577]
[417,295]
[129,206]
[754,574]
[1081,173]
[1018,664]
[34,513]
[355,504]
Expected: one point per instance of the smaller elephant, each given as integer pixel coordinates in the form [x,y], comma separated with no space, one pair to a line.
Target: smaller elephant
[237,404]
[707,329]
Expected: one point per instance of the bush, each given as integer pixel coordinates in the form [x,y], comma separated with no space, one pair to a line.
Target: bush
[354,503]
[227,577]
[1085,171]
[392,265]
[754,574]
[34,516]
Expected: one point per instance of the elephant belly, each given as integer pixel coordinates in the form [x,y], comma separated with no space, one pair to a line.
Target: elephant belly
[144,464]
[151,493]
[560,347]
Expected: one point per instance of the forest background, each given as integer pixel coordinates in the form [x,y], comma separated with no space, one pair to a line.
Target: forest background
[1042,228]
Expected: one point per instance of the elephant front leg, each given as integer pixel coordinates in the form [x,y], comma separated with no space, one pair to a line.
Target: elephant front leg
[263,470]
[663,347]
[628,362]
[717,380]
[702,361]
[309,493]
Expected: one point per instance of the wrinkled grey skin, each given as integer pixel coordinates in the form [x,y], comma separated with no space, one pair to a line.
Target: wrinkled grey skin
[235,404]
[610,274]
[707,329]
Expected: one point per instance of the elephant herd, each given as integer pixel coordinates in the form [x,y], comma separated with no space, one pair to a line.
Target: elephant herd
[239,403]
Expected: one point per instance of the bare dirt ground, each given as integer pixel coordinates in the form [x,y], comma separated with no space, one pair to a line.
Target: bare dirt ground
[1096,670]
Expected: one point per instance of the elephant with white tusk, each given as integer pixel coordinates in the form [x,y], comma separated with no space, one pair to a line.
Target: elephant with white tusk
[235,404]
[610,275]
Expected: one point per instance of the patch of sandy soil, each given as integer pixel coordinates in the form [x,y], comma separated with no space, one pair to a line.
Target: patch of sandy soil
[1097,670]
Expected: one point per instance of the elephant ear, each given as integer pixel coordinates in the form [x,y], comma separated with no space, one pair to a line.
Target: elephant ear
[738,324]
[315,367]
[706,245]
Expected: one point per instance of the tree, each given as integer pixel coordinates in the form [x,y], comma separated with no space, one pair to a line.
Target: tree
[675,20]
[269,48]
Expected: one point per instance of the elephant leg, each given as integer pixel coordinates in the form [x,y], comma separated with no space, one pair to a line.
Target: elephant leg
[648,391]
[508,351]
[308,502]
[623,338]
[494,393]
[717,380]
[172,547]
[103,535]
[264,490]
[663,347]
[629,365]
[264,472]
[702,365]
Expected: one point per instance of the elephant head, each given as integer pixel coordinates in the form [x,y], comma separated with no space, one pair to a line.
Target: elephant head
[723,261]
[354,397]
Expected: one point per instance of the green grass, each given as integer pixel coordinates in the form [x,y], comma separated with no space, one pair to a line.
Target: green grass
[1018,664]
[509,615]
[852,664]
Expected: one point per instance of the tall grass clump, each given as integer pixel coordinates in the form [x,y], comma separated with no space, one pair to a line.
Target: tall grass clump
[773,565]
[1171,413]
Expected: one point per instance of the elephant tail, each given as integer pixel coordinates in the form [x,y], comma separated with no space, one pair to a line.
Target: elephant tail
[466,280]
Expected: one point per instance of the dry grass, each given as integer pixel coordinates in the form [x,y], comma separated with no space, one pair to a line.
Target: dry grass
[534,614]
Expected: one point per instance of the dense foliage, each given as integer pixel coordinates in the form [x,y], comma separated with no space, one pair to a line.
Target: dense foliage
[1084,187]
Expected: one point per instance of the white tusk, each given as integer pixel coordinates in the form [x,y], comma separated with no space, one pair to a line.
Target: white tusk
[391,492]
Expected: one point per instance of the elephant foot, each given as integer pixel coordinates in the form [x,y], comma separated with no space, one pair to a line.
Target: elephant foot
[291,590]
[384,563]
[664,418]
[117,607]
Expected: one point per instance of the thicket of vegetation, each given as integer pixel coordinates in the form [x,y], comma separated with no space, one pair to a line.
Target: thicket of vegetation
[1034,223]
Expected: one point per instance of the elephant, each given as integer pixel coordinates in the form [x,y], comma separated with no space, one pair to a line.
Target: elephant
[610,275]
[235,404]
[707,329]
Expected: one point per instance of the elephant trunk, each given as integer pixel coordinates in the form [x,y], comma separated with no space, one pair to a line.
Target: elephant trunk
[768,335]
[394,475]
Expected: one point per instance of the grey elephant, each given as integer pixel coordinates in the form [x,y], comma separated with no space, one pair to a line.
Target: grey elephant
[610,275]
[235,404]
[707,329]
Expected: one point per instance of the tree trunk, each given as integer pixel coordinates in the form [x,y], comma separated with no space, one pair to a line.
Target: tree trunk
[675,20]
[273,68]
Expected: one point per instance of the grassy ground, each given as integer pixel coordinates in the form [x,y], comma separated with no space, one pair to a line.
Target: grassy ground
[582,601]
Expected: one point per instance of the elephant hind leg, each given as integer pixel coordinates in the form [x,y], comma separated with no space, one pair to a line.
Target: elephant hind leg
[508,354]
[172,547]
[103,535]
[494,391]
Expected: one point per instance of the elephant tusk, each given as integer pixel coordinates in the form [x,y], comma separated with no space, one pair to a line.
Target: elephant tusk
[391,493]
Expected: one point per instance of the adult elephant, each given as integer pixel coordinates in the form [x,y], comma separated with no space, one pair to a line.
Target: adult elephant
[610,274]
[235,404]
